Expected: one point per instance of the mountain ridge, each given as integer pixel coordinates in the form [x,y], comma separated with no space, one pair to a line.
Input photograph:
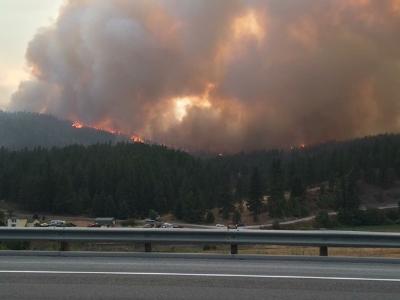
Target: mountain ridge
[20,130]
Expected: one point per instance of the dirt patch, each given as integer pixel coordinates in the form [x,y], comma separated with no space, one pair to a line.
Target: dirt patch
[373,196]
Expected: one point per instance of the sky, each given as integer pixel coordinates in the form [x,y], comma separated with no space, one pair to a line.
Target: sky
[223,75]
[19,21]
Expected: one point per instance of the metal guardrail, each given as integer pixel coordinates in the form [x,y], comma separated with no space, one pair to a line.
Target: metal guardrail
[322,238]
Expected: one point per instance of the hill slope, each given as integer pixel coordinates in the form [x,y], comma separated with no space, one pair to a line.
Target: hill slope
[130,179]
[28,130]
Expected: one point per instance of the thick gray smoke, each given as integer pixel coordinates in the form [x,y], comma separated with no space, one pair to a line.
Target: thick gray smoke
[224,75]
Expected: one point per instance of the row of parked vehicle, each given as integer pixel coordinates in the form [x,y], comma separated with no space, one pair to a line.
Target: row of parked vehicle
[57,223]
[149,223]
[230,226]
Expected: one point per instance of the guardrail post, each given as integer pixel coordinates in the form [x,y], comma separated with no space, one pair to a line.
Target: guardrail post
[234,249]
[323,251]
[63,246]
[147,247]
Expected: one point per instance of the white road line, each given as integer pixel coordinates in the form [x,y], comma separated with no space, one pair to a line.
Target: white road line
[197,275]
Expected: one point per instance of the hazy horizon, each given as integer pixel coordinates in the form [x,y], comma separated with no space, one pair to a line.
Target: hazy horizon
[19,22]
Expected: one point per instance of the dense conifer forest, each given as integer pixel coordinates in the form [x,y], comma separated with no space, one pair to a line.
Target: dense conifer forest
[127,180]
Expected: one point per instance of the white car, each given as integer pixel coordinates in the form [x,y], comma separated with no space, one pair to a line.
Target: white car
[167,225]
[57,223]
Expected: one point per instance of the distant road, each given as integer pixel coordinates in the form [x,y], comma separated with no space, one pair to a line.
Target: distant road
[155,276]
[310,218]
[290,222]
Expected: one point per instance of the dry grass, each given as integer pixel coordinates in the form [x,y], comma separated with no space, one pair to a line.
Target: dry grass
[355,252]
[220,249]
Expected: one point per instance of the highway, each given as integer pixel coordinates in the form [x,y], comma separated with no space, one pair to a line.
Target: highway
[172,276]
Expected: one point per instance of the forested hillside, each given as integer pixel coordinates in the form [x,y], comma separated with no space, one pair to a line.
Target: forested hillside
[121,180]
[375,159]
[129,180]
[335,169]
[20,130]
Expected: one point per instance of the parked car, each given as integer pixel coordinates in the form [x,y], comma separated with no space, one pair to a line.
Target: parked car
[57,223]
[167,225]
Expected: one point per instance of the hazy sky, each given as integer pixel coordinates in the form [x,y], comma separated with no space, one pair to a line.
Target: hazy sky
[19,21]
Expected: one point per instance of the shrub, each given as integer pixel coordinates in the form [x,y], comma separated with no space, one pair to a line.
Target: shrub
[210,217]
[237,217]
[276,225]
[374,217]
[153,215]
[129,222]
[322,220]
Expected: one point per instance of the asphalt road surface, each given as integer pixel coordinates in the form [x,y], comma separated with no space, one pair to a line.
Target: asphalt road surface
[155,276]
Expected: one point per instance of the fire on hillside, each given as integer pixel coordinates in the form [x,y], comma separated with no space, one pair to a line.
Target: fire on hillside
[132,137]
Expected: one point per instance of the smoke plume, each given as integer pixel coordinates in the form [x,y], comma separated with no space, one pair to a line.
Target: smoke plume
[224,75]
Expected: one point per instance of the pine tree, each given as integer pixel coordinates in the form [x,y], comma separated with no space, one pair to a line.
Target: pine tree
[98,205]
[347,200]
[276,201]
[210,217]
[65,197]
[297,188]
[110,209]
[225,200]
[254,203]
[237,217]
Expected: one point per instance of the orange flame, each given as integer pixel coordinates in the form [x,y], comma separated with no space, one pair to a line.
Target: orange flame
[132,137]
[77,125]
[136,139]
[301,147]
